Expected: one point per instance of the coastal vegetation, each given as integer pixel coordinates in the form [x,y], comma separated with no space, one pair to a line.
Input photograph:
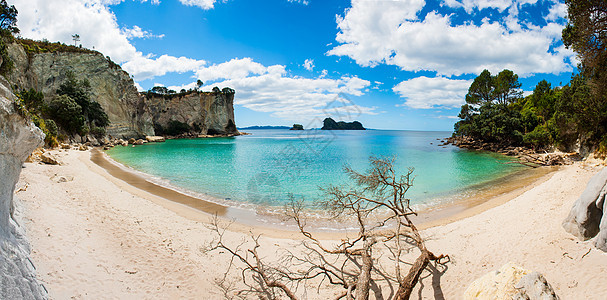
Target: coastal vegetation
[70,111]
[576,113]
[330,124]
[8,28]
[358,266]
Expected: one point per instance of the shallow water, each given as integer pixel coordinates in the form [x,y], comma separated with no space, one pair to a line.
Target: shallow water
[269,165]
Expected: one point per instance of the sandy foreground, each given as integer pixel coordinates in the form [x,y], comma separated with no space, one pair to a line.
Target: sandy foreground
[95,237]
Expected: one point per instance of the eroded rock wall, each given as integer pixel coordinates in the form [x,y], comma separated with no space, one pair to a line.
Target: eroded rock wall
[131,114]
[112,87]
[209,113]
[18,138]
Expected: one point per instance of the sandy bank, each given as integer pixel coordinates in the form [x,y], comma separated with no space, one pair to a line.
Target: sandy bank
[94,236]
[482,197]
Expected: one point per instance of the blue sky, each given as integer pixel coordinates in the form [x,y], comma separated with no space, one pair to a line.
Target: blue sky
[389,64]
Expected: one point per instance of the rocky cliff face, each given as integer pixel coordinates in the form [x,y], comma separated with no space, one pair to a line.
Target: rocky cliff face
[131,114]
[18,138]
[205,113]
[112,87]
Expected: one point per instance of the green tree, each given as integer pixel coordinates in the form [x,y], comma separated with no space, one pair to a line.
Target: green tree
[80,91]
[586,34]
[8,27]
[481,89]
[8,18]
[67,113]
[76,38]
[503,88]
[159,90]
[506,87]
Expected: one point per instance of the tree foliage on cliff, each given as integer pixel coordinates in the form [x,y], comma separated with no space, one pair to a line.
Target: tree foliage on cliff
[586,34]
[549,116]
[80,113]
[70,111]
[488,112]
[8,27]
[30,104]
[558,116]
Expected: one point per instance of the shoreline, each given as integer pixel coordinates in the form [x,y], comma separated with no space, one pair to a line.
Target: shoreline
[95,236]
[486,196]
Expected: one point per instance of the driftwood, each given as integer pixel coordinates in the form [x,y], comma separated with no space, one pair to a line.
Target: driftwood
[536,160]
[377,204]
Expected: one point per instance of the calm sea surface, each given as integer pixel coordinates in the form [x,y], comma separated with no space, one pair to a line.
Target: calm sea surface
[268,165]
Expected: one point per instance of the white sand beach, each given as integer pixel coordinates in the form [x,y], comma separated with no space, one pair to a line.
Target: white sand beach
[94,236]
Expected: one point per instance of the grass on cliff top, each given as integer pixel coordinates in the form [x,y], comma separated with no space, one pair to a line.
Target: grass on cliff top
[32,46]
[36,47]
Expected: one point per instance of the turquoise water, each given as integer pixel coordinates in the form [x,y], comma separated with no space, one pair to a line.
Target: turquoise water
[268,165]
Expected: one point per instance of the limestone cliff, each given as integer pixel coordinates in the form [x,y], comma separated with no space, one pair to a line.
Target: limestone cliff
[112,87]
[18,138]
[205,113]
[131,114]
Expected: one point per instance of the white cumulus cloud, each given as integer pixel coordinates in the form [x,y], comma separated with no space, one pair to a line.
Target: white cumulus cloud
[137,32]
[390,32]
[304,2]
[204,4]
[271,89]
[309,64]
[433,92]
[234,69]
[57,20]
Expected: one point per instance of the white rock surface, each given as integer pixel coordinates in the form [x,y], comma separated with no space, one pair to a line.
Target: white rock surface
[18,138]
[587,217]
[510,282]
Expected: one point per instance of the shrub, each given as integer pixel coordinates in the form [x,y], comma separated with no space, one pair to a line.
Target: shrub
[67,113]
[98,132]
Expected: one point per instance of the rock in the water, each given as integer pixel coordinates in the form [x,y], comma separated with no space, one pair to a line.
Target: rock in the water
[83,147]
[139,142]
[297,127]
[49,159]
[587,216]
[155,139]
[132,141]
[510,282]
[65,146]
[330,124]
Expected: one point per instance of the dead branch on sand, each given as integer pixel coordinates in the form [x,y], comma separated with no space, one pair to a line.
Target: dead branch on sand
[378,206]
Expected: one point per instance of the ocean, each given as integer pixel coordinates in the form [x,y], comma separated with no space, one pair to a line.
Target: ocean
[268,166]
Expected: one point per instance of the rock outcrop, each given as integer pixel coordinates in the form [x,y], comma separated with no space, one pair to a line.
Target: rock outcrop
[297,127]
[511,282]
[587,217]
[131,114]
[18,138]
[330,124]
[204,113]
[112,87]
